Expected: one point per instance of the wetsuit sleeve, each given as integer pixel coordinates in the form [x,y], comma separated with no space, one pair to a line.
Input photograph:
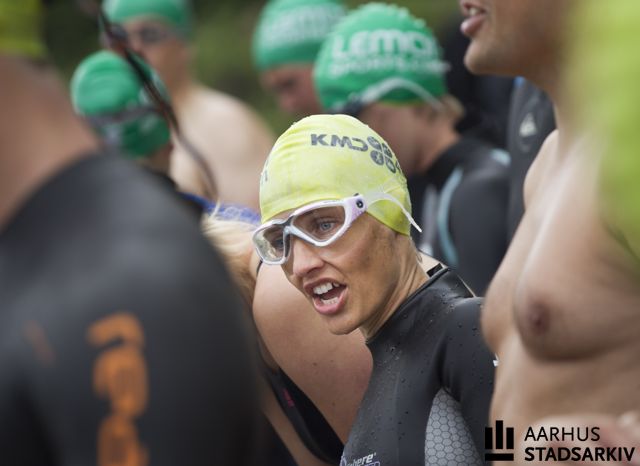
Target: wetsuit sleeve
[478,225]
[467,367]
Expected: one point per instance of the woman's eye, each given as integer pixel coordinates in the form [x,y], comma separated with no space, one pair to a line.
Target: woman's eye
[324,226]
[276,241]
[277,244]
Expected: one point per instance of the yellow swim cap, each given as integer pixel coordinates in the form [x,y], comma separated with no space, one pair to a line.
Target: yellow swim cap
[325,157]
[20,28]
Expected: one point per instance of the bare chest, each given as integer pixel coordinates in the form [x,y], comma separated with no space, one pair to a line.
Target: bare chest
[565,288]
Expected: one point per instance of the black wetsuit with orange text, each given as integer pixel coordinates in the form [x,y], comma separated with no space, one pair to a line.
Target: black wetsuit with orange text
[121,338]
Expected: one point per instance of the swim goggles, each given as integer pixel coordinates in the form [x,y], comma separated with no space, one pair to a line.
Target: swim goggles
[319,223]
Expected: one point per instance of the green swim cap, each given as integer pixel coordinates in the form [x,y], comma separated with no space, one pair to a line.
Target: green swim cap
[20,28]
[328,157]
[603,78]
[292,31]
[177,13]
[107,91]
[379,53]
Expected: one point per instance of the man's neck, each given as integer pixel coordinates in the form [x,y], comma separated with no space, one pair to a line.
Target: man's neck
[39,132]
[435,144]
[551,83]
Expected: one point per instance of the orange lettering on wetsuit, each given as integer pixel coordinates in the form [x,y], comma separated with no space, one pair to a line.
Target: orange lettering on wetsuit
[120,375]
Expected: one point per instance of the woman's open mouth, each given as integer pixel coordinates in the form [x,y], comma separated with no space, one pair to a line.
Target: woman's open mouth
[328,298]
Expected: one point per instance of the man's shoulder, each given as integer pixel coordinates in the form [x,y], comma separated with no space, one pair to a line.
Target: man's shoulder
[118,242]
[102,218]
[213,118]
[484,170]
[481,155]
[217,104]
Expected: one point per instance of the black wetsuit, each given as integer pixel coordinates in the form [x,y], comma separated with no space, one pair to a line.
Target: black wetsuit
[461,205]
[530,121]
[121,335]
[428,398]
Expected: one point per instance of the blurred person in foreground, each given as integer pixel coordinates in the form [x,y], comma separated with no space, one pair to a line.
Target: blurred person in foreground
[285,45]
[383,65]
[111,301]
[338,223]
[231,137]
[562,312]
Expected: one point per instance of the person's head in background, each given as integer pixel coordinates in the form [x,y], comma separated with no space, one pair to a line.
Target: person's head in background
[160,32]
[285,45]
[108,93]
[383,66]
[523,38]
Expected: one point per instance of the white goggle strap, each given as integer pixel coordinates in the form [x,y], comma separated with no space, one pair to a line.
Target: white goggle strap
[386,197]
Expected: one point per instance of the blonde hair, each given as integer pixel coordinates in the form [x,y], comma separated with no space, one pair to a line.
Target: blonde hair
[232,238]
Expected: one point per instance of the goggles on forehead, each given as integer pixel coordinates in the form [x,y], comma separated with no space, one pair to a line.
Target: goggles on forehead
[319,223]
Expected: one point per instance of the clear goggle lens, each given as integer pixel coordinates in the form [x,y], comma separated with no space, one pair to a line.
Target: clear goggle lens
[322,224]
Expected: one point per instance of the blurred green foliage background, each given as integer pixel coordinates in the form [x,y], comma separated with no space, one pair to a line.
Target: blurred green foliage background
[223,43]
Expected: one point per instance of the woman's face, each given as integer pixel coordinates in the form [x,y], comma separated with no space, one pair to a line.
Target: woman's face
[353,283]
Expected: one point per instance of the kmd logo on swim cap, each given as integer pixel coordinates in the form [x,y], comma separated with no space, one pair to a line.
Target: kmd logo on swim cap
[380,153]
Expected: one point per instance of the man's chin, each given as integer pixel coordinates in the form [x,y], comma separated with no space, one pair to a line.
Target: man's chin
[478,62]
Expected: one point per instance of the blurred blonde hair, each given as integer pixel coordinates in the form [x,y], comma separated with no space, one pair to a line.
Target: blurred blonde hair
[232,238]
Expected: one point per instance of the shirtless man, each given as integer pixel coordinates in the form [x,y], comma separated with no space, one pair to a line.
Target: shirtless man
[159,30]
[562,311]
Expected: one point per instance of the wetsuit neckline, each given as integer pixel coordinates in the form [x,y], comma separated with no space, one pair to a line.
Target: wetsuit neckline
[452,157]
[434,274]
